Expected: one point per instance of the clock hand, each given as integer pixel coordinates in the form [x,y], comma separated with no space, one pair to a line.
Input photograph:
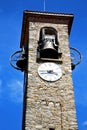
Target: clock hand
[48,71]
[52,72]
[43,71]
[55,73]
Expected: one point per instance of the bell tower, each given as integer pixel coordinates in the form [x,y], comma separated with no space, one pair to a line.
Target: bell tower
[48,88]
[49,96]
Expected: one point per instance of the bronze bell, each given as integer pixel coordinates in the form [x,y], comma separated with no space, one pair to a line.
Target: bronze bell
[22,62]
[49,49]
[48,43]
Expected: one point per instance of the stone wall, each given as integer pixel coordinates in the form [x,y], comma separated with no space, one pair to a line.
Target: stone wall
[49,106]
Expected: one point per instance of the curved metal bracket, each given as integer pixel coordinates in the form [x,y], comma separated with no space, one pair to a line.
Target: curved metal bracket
[76,57]
[14,58]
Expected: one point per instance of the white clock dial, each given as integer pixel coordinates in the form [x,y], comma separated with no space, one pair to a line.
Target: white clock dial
[49,71]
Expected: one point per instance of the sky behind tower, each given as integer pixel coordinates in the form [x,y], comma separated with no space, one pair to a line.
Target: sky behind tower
[11,80]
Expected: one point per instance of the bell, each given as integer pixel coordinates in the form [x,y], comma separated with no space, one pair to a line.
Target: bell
[48,51]
[22,62]
[72,66]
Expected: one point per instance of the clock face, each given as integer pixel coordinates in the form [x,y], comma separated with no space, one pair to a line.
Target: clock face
[49,71]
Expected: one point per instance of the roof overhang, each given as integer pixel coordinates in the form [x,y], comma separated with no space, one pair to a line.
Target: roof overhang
[45,17]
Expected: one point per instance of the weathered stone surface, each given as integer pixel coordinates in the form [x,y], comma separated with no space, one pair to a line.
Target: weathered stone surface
[49,105]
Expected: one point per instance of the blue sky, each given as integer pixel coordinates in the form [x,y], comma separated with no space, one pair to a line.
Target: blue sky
[11,80]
